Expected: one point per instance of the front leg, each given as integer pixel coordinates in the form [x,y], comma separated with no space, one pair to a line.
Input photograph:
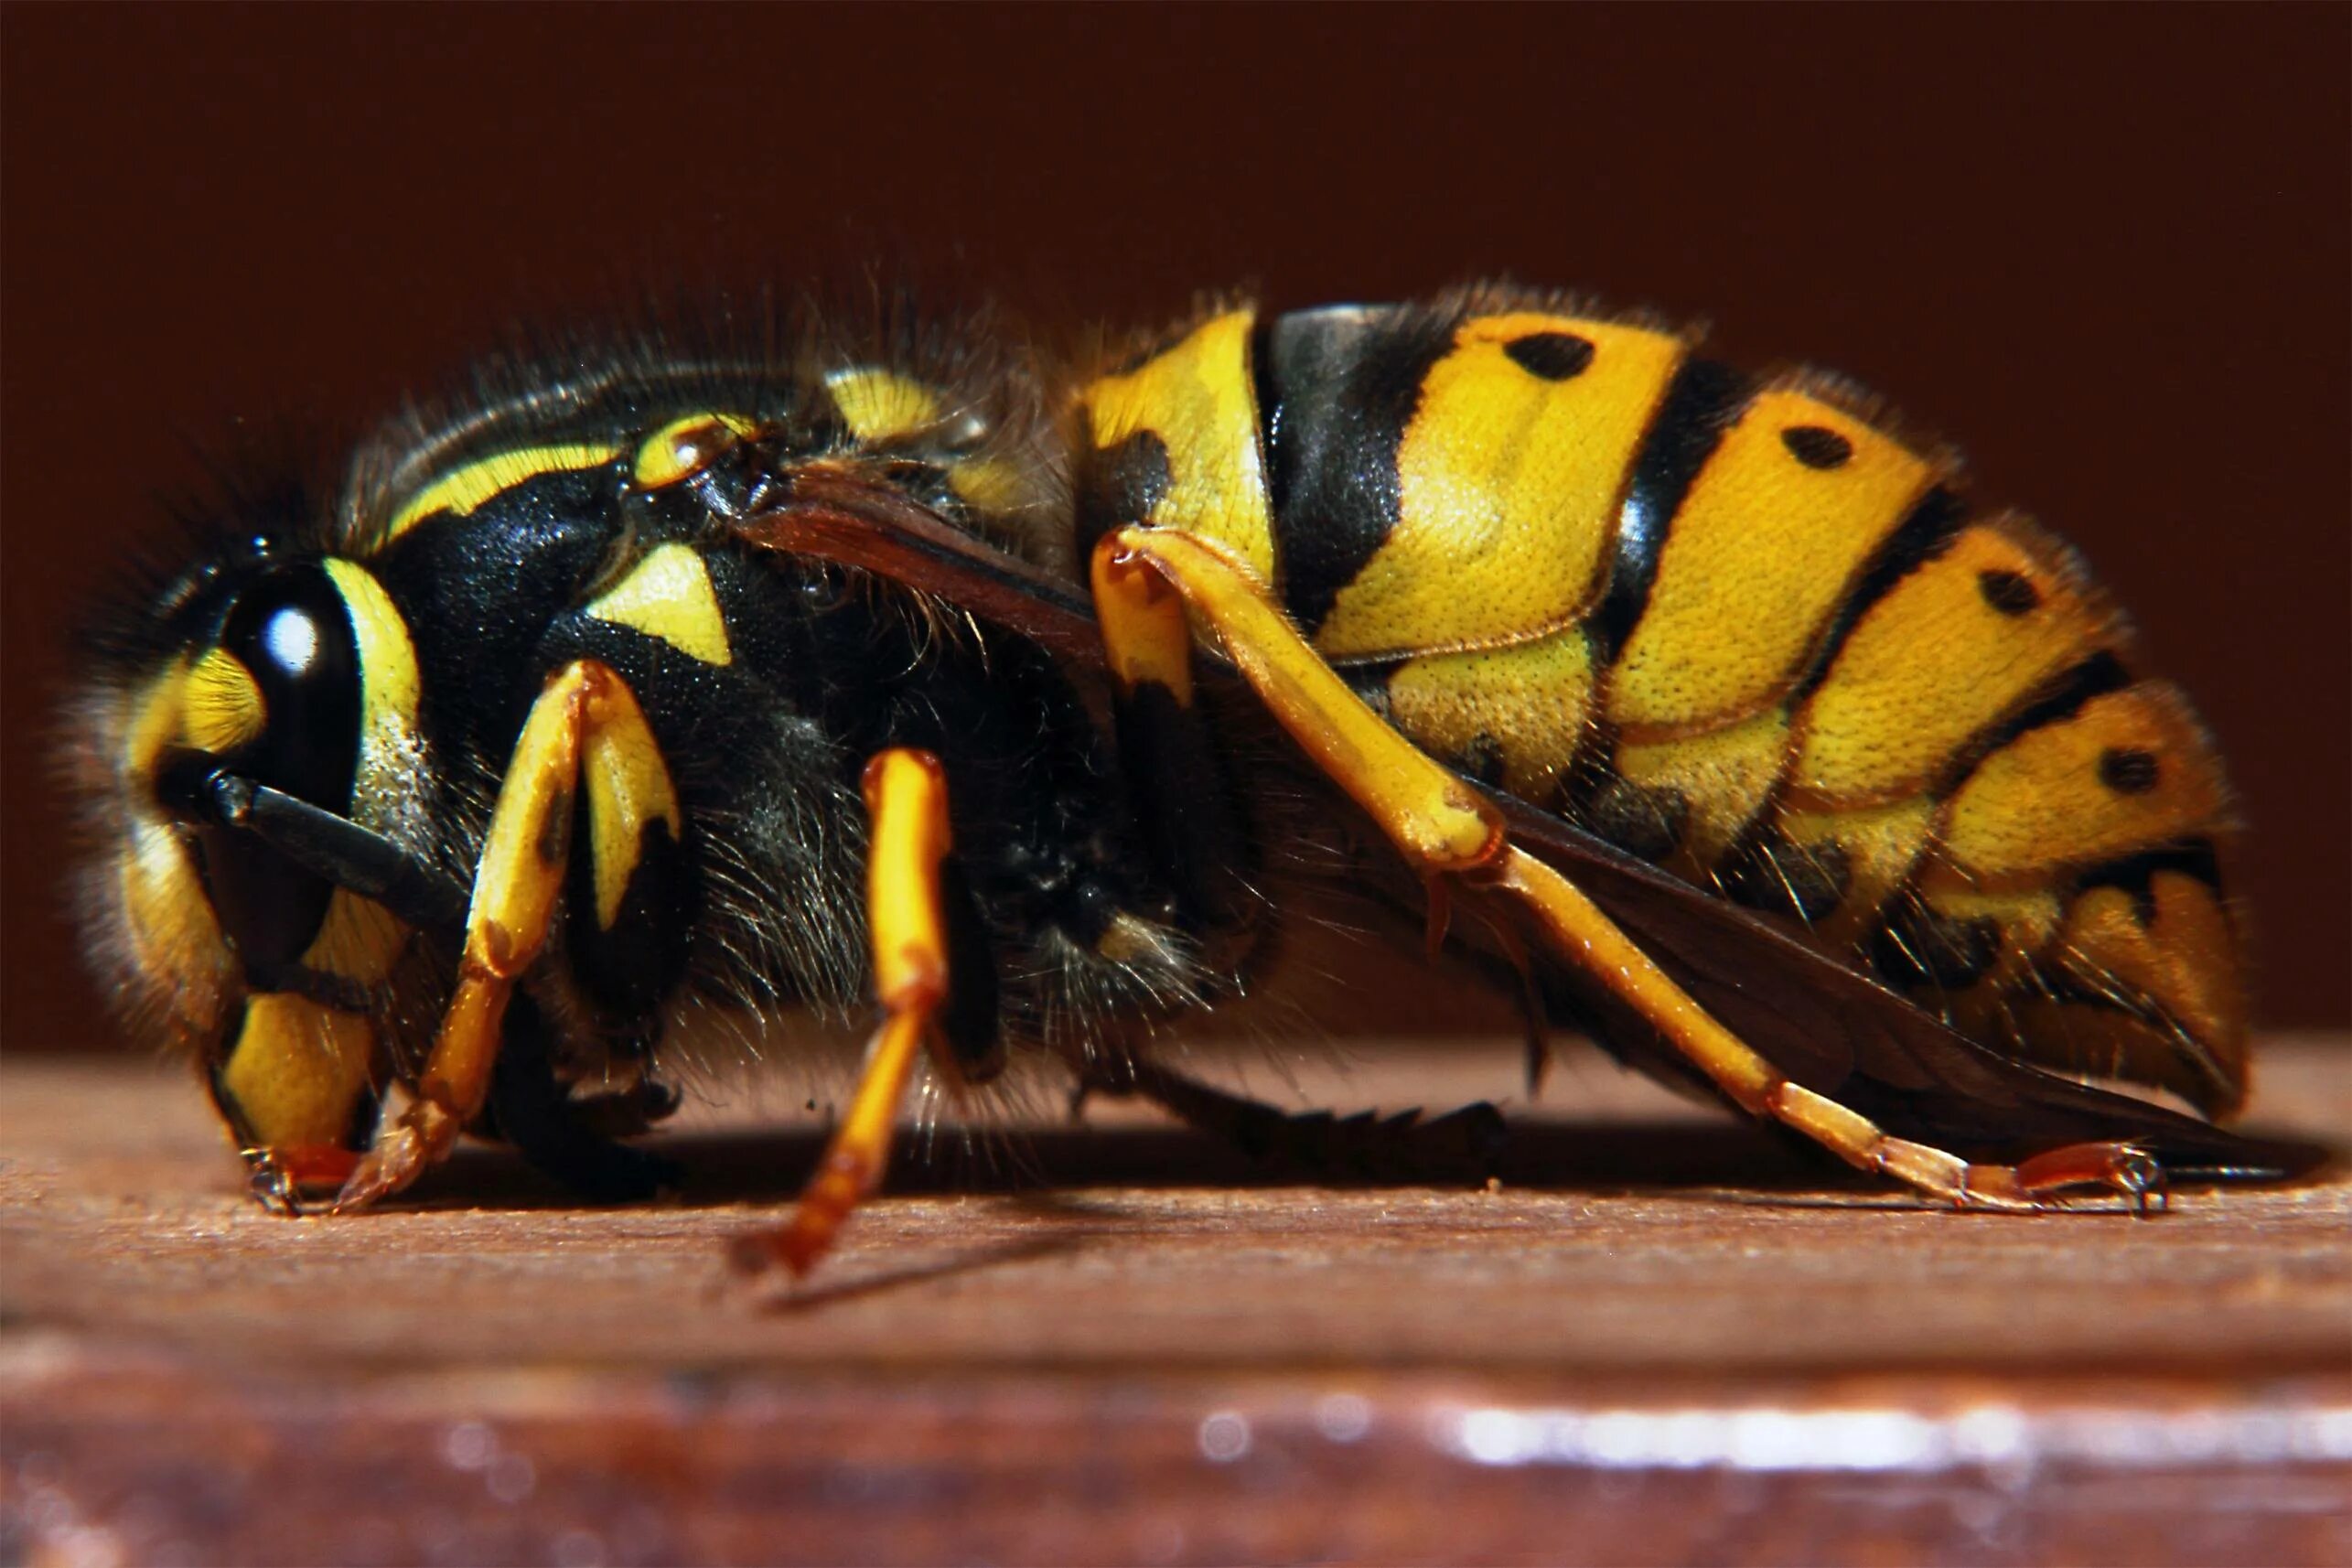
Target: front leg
[584,716]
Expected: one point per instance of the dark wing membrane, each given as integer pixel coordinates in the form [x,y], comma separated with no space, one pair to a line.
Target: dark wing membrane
[1825,1026]
[867,523]
[1843,1034]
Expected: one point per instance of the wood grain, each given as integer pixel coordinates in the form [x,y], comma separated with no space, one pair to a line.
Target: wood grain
[1667,1338]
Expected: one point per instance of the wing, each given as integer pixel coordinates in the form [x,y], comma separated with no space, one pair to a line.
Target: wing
[855,520]
[1827,1026]
[1843,1034]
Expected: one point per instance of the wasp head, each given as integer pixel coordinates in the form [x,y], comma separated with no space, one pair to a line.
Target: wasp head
[284,676]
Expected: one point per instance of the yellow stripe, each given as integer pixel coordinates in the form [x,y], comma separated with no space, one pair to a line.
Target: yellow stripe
[1531,703]
[669,596]
[1935,661]
[879,404]
[1510,487]
[686,445]
[156,719]
[1724,777]
[297,1069]
[386,789]
[468,487]
[2044,801]
[628,789]
[174,934]
[221,708]
[390,685]
[358,941]
[1196,397]
[1758,557]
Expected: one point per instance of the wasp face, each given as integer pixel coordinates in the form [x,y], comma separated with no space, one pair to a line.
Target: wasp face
[291,675]
[283,688]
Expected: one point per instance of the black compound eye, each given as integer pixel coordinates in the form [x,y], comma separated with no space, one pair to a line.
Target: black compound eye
[292,633]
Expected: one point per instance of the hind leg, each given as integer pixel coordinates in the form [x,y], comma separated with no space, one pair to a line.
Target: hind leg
[1451,835]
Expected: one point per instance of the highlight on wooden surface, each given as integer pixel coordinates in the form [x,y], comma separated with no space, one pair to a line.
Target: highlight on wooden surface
[1666,1337]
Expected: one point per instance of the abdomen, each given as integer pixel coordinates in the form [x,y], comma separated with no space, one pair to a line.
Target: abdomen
[1739,626]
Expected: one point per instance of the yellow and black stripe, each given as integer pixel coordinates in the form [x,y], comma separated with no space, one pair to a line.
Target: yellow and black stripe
[1741,627]
[548,743]
[308,688]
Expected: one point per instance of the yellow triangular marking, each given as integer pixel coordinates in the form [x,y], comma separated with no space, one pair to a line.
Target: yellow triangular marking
[669,596]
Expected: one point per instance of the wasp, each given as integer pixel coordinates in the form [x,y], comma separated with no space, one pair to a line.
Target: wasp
[678,683]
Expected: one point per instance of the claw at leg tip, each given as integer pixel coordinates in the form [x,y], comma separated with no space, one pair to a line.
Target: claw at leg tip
[795,1247]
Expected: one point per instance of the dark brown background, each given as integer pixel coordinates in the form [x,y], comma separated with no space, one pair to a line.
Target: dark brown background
[2104,249]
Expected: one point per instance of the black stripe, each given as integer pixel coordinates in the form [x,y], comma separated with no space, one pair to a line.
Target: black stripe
[1187,808]
[1918,539]
[2095,677]
[1118,485]
[1921,948]
[1265,333]
[1336,389]
[2130,770]
[2136,874]
[1701,403]
[1799,882]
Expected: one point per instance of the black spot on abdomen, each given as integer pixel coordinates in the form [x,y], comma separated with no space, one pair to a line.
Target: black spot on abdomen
[1645,823]
[2129,770]
[1919,947]
[1775,877]
[1817,446]
[2009,593]
[1550,355]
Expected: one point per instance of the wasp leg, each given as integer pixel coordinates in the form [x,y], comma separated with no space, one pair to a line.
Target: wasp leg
[906,795]
[558,1134]
[1444,829]
[1173,769]
[586,710]
[1582,932]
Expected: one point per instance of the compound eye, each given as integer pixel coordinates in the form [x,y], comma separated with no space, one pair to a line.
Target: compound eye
[292,635]
[687,446]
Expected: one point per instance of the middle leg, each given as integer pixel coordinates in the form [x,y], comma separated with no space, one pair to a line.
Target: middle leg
[906,795]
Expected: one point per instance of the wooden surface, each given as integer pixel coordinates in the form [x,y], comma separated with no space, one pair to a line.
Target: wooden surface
[1667,1338]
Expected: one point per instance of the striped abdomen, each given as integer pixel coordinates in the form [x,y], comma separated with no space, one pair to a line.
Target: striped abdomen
[1737,627]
